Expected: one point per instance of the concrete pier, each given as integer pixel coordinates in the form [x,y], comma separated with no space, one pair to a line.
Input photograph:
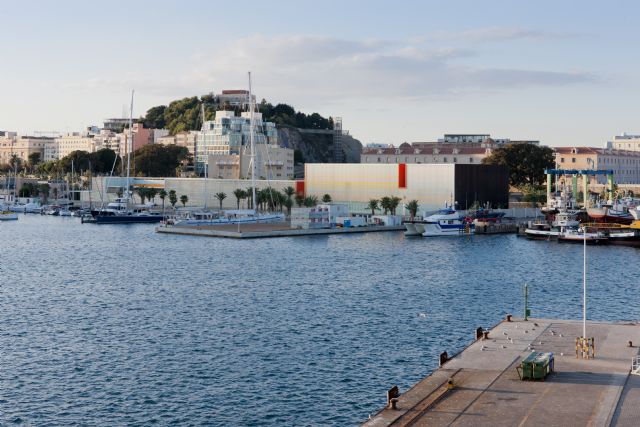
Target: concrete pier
[487,390]
[263,230]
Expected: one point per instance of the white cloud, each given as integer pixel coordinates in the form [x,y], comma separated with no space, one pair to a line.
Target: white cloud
[303,69]
[494,34]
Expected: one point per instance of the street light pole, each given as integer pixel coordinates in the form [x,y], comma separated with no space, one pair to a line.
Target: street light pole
[584,284]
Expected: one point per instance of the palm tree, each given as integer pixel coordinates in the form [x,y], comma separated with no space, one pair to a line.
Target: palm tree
[173,198]
[412,206]
[184,199]
[249,192]
[373,205]
[299,200]
[395,201]
[163,194]
[385,204]
[288,203]
[151,195]
[221,196]
[326,198]
[310,201]
[240,194]
[289,191]
[142,193]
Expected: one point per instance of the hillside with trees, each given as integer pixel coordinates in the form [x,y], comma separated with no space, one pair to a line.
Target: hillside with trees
[186,114]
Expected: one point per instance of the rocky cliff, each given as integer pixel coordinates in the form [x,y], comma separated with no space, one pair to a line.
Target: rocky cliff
[316,146]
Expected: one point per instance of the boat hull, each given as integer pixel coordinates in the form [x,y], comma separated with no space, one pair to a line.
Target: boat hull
[579,240]
[435,229]
[541,234]
[8,217]
[127,219]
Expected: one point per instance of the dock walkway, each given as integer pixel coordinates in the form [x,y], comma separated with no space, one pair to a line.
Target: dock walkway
[263,230]
[488,392]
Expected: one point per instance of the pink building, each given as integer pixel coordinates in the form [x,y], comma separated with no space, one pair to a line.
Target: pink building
[141,137]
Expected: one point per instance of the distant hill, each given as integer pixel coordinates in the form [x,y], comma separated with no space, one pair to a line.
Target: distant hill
[310,147]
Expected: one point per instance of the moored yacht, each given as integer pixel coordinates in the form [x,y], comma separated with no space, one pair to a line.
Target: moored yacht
[447,222]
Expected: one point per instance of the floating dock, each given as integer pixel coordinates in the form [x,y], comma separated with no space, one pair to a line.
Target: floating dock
[481,386]
[254,231]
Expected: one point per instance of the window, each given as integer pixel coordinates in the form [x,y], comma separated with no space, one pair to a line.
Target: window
[561,159]
[455,159]
[573,160]
[470,159]
[445,160]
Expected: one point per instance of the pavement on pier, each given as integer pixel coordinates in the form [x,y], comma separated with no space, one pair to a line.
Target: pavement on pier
[488,391]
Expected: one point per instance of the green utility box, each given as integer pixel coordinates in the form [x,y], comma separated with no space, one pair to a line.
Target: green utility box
[536,366]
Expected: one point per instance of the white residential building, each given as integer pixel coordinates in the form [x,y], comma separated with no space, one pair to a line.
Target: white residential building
[75,141]
[625,142]
[229,134]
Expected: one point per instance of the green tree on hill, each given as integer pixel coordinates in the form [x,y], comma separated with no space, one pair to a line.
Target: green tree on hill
[184,199]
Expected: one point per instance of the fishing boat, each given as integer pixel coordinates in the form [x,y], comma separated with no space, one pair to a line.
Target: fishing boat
[615,212]
[447,222]
[582,236]
[541,231]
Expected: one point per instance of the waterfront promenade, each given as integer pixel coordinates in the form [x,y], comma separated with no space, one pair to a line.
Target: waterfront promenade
[487,390]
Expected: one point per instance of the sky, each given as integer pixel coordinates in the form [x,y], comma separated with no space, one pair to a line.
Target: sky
[562,72]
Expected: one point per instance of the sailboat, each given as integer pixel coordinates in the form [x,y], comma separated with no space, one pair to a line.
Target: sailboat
[245,216]
[120,211]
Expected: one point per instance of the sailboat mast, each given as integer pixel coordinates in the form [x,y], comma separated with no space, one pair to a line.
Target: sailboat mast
[206,163]
[251,140]
[129,146]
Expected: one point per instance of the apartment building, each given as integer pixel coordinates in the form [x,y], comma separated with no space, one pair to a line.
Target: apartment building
[624,163]
[229,134]
[425,153]
[189,140]
[74,141]
[625,142]
[22,146]
[272,162]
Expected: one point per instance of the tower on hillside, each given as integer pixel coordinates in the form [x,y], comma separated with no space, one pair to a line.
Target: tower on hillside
[338,154]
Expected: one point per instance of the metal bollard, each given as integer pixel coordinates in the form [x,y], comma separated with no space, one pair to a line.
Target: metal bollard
[444,357]
[508,318]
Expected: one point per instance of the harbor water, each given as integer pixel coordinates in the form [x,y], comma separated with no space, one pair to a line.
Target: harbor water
[118,325]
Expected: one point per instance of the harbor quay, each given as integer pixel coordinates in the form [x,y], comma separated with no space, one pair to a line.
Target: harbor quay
[489,382]
[253,231]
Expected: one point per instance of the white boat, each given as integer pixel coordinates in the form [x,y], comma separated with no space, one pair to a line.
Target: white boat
[26,207]
[566,219]
[228,217]
[447,222]
[8,216]
[580,236]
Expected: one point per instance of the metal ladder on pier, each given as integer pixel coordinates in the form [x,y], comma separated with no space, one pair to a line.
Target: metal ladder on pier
[635,365]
